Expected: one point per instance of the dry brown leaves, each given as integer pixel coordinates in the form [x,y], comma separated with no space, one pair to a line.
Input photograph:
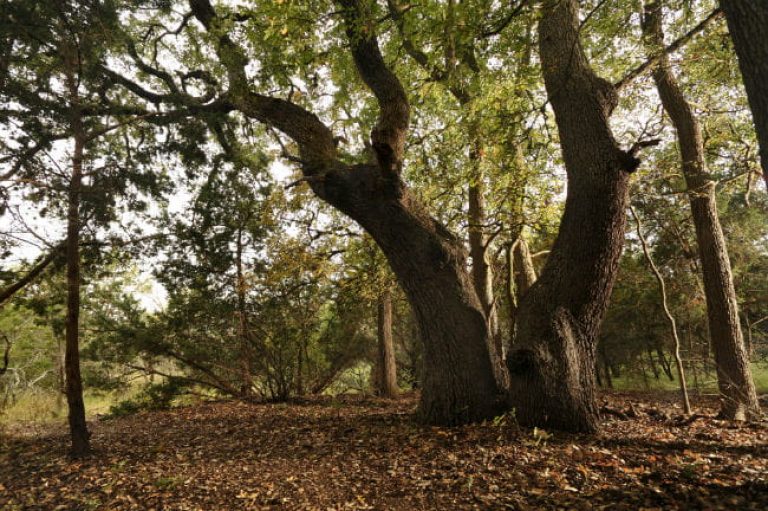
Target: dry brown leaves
[369,454]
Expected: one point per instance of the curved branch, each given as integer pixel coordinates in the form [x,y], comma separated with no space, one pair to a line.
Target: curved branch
[388,137]
[7,292]
[314,138]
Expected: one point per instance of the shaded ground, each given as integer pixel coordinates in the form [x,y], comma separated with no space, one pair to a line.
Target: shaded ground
[368,454]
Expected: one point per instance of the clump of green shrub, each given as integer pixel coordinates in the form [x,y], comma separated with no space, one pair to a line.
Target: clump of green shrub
[155,396]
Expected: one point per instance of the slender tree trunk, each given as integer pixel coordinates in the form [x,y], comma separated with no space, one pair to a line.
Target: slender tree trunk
[521,275]
[748,25]
[552,364]
[693,360]
[299,372]
[598,377]
[667,313]
[748,340]
[733,372]
[509,291]
[482,271]
[608,375]
[245,348]
[525,274]
[387,368]
[665,365]
[77,425]
[644,373]
[652,362]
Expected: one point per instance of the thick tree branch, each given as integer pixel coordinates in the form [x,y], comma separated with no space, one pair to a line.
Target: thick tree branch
[388,136]
[39,267]
[314,138]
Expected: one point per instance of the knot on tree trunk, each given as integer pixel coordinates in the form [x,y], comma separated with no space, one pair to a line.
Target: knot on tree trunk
[521,361]
[386,154]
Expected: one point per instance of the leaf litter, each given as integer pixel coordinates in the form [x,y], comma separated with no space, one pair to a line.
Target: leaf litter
[365,453]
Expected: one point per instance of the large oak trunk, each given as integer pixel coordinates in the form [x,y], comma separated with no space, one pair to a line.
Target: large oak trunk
[552,363]
[748,25]
[460,377]
[733,373]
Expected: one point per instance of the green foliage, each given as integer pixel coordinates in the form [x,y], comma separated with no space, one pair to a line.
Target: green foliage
[155,396]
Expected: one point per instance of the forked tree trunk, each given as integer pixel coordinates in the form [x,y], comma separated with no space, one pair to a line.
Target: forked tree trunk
[521,275]
[748,25]
[482,271]
[462,379]
[552,364]
[734,375]
[386,374]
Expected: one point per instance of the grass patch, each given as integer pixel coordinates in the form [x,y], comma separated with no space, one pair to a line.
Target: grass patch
[47,406]
[707,381]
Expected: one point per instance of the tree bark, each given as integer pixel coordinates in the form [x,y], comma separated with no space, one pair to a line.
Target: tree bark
[748,26]
[739,399]
[74,385]
[387,368]
[552,363]
[521,275]
[246,385]
[460,383]
[525,273]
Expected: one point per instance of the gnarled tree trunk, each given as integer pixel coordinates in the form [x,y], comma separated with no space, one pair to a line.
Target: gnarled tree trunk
[748,25]
[552,363]
[461,380]
[733,372]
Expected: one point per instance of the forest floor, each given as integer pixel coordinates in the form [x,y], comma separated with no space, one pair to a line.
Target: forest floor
[353,453]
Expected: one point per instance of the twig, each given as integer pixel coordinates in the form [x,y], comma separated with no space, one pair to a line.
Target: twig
[305,179]
[5,355]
